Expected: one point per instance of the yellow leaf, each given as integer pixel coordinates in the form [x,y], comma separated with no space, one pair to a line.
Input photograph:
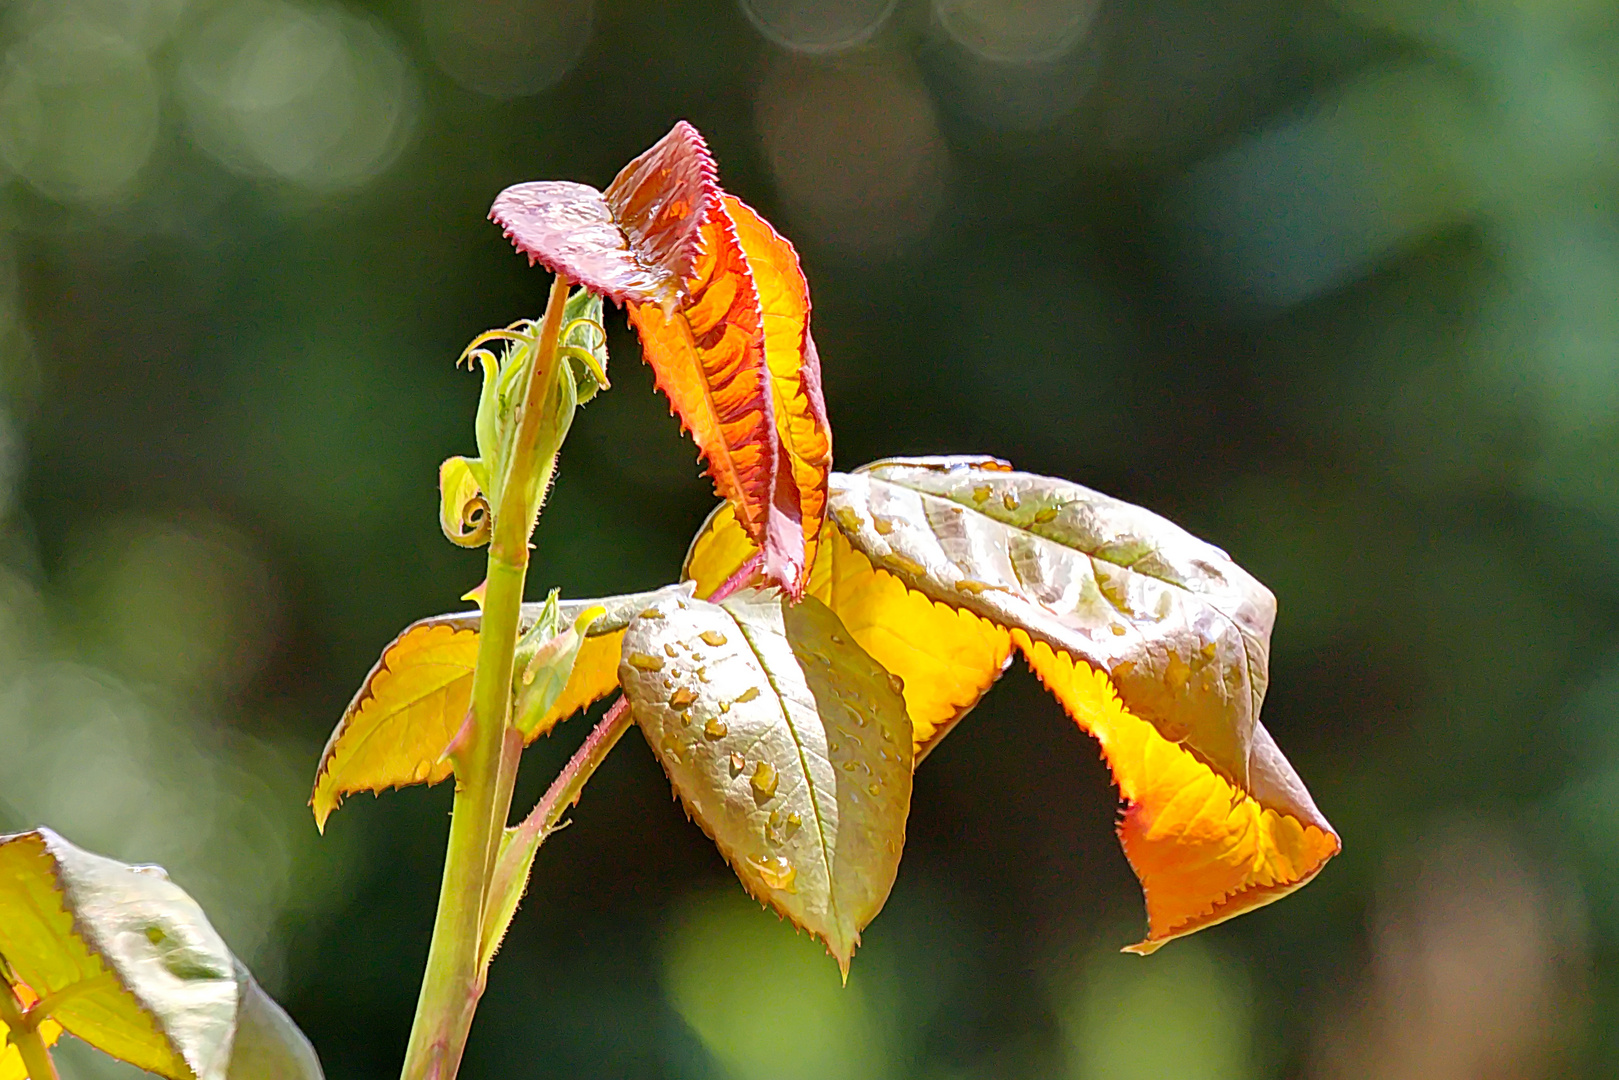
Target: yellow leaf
[414,700]
[11,1066]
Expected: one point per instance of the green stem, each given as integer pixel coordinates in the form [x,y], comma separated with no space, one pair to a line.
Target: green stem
[484,767]
[23,1033]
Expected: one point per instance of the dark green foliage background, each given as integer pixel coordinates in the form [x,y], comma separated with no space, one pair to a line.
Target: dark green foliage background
[1331,286]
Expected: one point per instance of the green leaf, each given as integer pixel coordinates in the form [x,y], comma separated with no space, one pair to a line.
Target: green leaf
[122,958]
[545,661]
[787,743]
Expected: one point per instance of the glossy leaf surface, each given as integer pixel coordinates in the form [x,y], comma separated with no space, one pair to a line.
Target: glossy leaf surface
[787,743]
[414,699]
[131,965]
[1155,642]
[635,242]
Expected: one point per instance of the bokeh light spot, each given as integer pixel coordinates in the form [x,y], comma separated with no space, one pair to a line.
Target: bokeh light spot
[1027,32]
[316,97]
[765,1001]
[1187,1014]
[507,48]
[817,26]
[178,603]
[78,112]
[856,149]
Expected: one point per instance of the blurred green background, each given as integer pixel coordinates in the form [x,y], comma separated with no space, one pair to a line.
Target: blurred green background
[1331,285]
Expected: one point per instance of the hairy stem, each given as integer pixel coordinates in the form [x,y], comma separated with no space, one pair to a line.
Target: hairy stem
[484,764]
[23,1033]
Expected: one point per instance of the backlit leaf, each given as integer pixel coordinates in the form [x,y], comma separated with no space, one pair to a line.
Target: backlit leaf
[795,372]
[708,356]
[637,241]
[11,1066]
[126,961]
[1154,641]
[414,699]
[946,657]
[787,743]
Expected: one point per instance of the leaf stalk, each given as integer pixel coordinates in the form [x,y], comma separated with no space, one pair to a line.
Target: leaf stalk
[23,1033]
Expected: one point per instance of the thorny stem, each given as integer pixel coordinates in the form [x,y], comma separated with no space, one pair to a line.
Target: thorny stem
[23,1033]
[451,985]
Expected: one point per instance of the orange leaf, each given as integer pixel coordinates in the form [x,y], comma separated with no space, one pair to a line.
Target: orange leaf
[637,241]
[795,374]
[708,356]
[1204,850]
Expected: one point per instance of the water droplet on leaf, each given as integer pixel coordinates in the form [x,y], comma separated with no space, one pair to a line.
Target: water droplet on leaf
[765,780]
[646,662]
[747,695]
[713,637]
[775,871]
[682,698]
[715,728]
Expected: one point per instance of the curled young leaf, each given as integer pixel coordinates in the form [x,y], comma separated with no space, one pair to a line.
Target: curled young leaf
[463,509]
[1155,642]
[414,699]
[122,958]
[787,743]
[722,311]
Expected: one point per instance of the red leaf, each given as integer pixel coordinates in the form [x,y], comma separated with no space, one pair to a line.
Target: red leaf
[638,241]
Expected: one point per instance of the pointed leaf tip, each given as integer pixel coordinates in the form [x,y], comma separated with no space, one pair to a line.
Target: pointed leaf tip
[788,745]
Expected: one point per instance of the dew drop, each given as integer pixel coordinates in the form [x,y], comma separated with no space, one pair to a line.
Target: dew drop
[1046,516]
[775,871]
[1119,630]
[848,766]
[968,585]
[651,613]
[715,728]
[775,819]
[833,746]
[646,661]
[896,684]
[713,637]
[884,525]
[747,695]
[875,788]
[1009,501]
[738,763]
[765,780]
[682,698]
[702,674]
[669,650]
[837,639]
[793,822]
[981,493]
